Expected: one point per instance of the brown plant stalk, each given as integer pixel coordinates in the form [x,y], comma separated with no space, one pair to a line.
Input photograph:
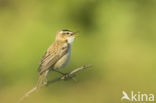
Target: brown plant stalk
[68,76]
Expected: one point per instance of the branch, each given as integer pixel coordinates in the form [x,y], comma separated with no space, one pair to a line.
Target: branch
[68,76]
[27,94]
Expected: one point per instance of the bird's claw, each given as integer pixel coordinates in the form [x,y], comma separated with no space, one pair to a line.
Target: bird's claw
[68,76]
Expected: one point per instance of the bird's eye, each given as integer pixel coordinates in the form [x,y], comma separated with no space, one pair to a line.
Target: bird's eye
[67,33]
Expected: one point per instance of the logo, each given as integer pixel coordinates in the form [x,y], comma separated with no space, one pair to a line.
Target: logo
[137,96]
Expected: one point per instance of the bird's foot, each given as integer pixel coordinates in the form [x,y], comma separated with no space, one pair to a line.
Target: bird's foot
[68,76]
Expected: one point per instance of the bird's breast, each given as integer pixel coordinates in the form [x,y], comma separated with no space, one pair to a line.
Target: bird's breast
[64,61]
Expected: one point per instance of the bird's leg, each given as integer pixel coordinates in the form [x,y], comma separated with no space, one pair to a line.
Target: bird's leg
[59,72]
[66,75]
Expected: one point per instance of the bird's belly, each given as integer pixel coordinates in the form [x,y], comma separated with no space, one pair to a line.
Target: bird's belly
[63,62]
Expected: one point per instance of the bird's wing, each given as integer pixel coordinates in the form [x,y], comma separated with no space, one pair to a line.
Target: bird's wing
[53,54]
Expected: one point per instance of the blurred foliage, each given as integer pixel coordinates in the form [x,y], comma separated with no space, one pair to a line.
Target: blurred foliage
[118,37]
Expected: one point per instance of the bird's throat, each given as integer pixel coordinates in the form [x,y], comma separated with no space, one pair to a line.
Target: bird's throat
[70,40]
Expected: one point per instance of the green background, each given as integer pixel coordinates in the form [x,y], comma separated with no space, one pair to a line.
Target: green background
[118,37]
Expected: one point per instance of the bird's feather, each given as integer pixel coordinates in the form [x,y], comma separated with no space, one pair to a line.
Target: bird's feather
[53,54]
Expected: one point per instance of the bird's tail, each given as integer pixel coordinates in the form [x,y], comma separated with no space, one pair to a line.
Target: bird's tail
[42,79]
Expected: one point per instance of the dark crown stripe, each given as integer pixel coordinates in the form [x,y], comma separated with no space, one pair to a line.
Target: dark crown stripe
[65,30]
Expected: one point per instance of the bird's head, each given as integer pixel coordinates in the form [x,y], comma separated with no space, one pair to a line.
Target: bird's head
[66,35]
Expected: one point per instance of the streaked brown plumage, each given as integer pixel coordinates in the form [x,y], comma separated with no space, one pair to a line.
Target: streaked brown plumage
[57,56]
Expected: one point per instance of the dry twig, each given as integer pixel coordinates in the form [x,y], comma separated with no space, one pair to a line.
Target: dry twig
[68,76]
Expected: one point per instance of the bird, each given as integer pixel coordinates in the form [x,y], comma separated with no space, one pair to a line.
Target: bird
[57,55]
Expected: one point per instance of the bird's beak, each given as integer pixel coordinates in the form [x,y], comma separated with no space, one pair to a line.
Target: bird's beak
[75,34]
